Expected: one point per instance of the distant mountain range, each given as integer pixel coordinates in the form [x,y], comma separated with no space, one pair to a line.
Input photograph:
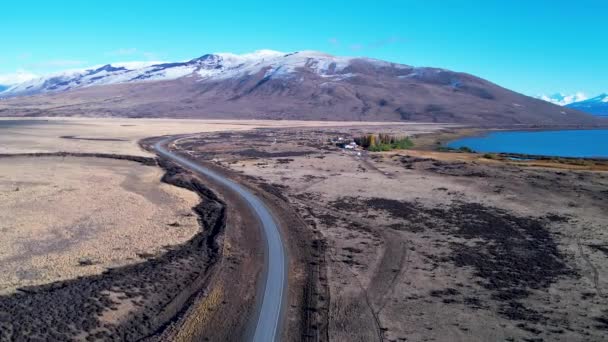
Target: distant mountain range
[304,85]
[3,88]
[563,100]
[597,105]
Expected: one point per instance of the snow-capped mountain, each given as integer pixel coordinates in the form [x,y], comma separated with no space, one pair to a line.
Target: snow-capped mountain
[597,105]
[563,100]
[219,66]
[305,85]
[99,75]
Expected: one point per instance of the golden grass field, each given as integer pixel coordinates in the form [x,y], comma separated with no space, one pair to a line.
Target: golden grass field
[61,218]
[121,136]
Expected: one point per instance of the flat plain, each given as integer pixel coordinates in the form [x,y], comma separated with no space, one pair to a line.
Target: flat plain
[121,136]
[83,225]
[431,246]
[391,246]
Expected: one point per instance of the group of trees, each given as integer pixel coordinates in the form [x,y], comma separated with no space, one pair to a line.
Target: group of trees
[384,142]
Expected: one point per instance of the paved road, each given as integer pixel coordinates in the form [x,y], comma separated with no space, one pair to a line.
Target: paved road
[275,283]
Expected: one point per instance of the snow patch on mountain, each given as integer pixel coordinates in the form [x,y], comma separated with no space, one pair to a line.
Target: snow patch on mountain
[597,105]
[274,64]
[268,64]
[602,98]
[563,100]
[98,75]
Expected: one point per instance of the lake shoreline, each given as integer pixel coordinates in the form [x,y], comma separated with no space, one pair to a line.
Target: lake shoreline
[562,143]
[437,141]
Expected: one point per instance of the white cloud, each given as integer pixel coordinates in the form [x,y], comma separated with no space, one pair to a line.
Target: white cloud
[563,100]
[17,77]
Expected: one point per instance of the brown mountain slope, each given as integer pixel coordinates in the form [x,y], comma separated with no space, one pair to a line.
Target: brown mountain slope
[364,90]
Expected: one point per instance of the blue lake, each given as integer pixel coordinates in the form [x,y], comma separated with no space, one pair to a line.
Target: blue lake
[567,143]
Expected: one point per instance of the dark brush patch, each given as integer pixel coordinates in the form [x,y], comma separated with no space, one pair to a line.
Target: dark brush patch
[510,254]
[557,218]
[86,262]
[458,169]
[445,292]
[407,227]
[602,321]
[352,250]
[347,204]
[396,209]
[274,189]
[137,159]
[73,137]
[254,135]
[310,178]
[517,252]
[284,160]
[409,162]
[514,310]
[473,302]
[328,220]
[253,153]
[601,248]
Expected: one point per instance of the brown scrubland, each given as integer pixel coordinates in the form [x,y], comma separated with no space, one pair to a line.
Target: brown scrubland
[431,246]
[403,245]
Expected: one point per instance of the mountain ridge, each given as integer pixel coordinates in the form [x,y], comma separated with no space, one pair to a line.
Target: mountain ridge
[597,105]
[266,84]
[563,100]
[217,65]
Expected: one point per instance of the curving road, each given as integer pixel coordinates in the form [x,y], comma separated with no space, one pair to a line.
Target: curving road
[274,285]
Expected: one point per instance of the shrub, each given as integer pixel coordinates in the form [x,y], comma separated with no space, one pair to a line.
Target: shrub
[445,149]
[463,149]
[466,149]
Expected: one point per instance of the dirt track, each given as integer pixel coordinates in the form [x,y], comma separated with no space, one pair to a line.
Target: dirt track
[305,290]
[274,283]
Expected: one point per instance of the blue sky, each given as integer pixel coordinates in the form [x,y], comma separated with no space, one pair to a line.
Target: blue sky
[534,47]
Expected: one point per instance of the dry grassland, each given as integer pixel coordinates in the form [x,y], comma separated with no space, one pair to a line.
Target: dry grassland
[62,218]
[121,136]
